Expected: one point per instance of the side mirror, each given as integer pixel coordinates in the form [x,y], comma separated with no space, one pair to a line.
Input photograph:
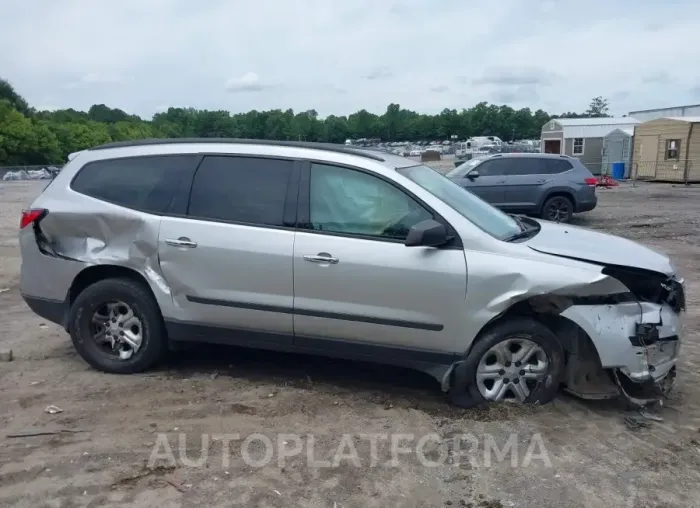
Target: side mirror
[473,174]
[427,233]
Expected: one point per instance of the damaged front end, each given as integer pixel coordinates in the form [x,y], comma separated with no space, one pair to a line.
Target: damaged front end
[636,336]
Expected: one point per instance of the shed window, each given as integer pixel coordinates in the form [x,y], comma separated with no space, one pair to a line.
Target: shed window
[578,146]
[673,149]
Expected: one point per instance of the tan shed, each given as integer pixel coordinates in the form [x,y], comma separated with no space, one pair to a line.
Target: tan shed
[667,149]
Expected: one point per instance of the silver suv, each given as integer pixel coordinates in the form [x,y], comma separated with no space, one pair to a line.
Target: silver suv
[336,251]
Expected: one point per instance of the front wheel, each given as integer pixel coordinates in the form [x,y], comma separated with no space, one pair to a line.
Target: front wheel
[519,360]
[116,326]
[558,208]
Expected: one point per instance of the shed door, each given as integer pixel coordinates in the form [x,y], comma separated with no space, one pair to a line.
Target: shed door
[648,148]
[648,155]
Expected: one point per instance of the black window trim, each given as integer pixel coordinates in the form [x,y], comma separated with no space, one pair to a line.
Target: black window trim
[291,195]
[304,204]
[297,204]
[197,160]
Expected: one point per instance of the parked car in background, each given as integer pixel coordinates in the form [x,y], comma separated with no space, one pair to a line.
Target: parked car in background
[550,186]
[337,251]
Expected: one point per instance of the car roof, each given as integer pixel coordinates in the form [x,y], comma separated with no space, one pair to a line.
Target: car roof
[537,155]
[386,158]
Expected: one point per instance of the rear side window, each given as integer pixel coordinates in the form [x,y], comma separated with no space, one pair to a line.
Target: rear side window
[141,183]
[519,166]
[240,189]
[555,166]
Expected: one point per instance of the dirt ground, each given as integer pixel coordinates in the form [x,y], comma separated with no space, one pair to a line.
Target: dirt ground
[569,453]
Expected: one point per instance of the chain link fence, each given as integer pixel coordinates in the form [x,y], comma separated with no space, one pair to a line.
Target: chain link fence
[682,171]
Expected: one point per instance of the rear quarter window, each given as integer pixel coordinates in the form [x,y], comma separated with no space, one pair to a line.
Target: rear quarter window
[555,166]
[142,183]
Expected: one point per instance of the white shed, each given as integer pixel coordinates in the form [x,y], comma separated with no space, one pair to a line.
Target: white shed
[617,147]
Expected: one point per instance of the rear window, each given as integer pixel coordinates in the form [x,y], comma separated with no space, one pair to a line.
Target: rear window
[142,183]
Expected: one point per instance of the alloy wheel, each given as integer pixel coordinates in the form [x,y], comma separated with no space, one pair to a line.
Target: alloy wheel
[557,210]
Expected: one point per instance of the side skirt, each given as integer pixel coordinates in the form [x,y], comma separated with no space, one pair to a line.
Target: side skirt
[434,363]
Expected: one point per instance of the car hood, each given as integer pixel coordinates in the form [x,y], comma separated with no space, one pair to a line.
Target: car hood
[601,248]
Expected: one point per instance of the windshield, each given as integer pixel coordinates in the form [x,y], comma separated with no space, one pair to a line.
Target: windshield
[483,215]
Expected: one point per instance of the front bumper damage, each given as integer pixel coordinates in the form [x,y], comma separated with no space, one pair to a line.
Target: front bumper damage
[637,342]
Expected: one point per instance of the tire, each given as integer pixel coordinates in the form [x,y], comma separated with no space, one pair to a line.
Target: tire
[557,209]
[150,325]
[465,390]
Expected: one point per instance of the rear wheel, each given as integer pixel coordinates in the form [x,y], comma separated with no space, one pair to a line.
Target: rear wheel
[519,360]
[558,208]
[116,326]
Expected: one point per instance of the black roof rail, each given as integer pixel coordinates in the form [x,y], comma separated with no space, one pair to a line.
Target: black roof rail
[330,147]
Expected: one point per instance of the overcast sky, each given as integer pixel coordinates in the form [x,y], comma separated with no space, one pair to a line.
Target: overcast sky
[339,56]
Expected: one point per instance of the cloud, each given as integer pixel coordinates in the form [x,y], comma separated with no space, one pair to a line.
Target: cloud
[379,73]
[656,78]
[520,94]
[92,79]
[249,82]
[371,52]
[515,76]
[440,89]
[620,95]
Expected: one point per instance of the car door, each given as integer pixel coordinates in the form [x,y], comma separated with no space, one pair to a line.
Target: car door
[489,185]
[355,282]
[525,179]
[228,259]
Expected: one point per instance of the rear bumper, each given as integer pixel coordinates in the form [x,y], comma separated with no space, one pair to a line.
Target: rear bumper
[586,205]
[51,310]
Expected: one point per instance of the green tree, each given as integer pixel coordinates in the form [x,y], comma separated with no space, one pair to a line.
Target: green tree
[40,137]
[24,141]
[8,93]
[74,136]
[598,108]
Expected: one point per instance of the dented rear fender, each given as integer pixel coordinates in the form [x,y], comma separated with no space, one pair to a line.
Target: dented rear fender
[66,242]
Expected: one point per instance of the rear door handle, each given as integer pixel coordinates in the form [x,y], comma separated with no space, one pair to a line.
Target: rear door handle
[541,181]
[183,241]
[322,257]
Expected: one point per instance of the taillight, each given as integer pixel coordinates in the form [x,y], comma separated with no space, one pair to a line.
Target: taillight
[30,216]
[591,181]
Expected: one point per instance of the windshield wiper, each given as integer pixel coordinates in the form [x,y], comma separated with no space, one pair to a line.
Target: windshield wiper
[524,232]
[520,222]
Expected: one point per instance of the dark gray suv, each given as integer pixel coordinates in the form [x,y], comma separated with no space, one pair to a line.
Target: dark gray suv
[550,186]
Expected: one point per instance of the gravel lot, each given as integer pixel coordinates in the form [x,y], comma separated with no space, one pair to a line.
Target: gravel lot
[585,456]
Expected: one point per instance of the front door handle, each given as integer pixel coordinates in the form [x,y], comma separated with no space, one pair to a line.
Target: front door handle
[322,257]
[183,241]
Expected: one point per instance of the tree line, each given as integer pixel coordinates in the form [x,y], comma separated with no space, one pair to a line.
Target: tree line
[31,137]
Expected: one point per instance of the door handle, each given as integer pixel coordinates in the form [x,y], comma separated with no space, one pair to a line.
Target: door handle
[541,181]
[183,241]
[322,257]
